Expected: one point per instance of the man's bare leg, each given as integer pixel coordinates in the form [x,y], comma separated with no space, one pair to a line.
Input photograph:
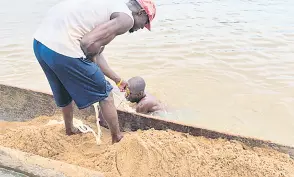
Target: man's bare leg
[109,113]
[67,113]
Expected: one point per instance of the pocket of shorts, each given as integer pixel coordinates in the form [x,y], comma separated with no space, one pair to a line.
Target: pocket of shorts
[90,67]
[99,80]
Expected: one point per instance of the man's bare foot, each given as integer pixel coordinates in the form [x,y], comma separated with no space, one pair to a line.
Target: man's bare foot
[72,131]
[116,139]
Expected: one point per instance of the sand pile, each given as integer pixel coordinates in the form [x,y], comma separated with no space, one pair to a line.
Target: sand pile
[146,153]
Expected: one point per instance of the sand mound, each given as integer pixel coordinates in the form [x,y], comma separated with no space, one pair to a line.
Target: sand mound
[146,153]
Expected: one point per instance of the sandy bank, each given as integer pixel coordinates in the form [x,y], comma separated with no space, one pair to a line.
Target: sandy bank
[145,153]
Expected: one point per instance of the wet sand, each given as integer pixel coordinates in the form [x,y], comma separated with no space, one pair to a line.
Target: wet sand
[145,153]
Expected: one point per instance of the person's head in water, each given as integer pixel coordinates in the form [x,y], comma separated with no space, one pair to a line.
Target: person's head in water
[143,12]
[135,90]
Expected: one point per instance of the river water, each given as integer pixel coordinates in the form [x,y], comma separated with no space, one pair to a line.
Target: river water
[225,65]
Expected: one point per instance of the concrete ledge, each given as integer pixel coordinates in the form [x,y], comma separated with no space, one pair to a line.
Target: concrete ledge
[33,165]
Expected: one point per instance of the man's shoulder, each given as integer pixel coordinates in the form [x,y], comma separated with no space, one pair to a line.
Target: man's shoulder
[149,101]
[124,22]
[124,18]
[149,104]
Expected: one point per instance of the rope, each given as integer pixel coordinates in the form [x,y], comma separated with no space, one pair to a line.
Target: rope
[85,128]
[82,128]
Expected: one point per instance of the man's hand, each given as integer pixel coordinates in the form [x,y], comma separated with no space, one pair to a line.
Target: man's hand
[94,56]
[101,49]
[122,84]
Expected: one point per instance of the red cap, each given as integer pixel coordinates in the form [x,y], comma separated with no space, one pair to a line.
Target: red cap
[150,9]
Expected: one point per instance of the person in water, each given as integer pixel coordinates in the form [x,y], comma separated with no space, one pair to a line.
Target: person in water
[135,93]
[68,46]
[145,102]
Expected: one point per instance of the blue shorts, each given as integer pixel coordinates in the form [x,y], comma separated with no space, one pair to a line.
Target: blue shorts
[70,79]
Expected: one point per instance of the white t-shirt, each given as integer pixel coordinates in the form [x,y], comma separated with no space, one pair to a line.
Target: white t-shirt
[67,22]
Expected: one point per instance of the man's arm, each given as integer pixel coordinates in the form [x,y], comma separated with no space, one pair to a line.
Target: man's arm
[92,42]
[108,72]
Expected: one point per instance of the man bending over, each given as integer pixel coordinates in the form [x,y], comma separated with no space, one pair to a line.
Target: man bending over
[68,46]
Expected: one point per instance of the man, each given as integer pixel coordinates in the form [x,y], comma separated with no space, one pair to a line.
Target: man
[69,44]
[135,93]
[145,102]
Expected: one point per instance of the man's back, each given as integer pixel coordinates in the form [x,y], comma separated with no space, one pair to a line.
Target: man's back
[68,21]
